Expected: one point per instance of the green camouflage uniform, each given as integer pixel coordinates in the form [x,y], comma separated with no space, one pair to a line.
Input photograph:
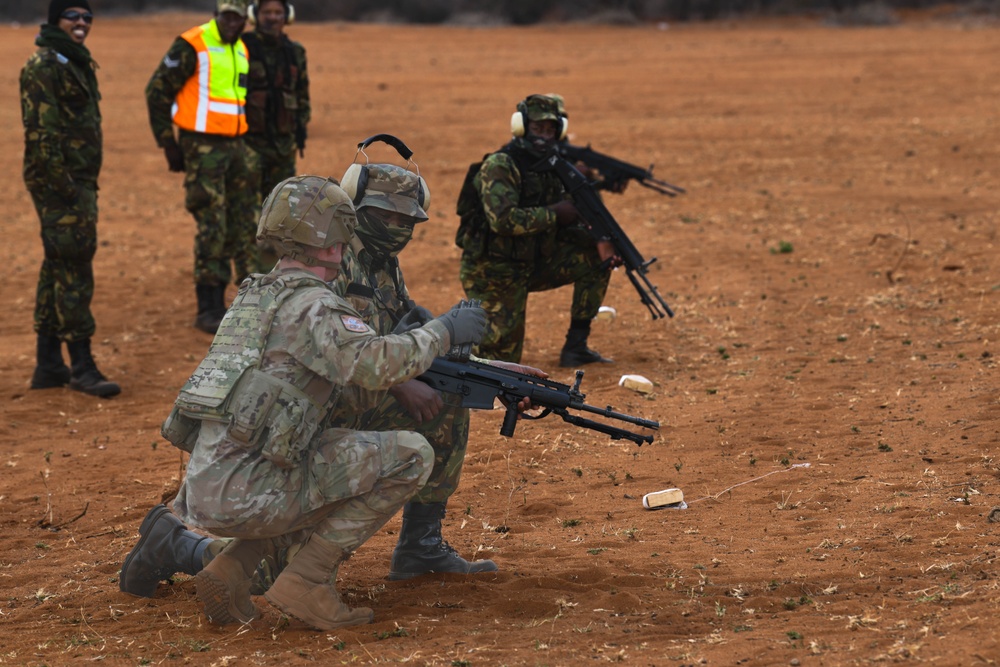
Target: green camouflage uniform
[377,291]
[62,159]
[277,108]
[217,183]
[270,464]
[512,246]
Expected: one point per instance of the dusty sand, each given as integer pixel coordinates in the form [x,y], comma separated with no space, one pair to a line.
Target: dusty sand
[831,413]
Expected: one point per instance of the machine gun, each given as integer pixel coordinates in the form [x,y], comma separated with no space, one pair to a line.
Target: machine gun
[479,384]
[602,225]
[615,172]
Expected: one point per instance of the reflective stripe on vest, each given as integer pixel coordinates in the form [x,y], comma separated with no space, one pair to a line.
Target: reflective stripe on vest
[212,100]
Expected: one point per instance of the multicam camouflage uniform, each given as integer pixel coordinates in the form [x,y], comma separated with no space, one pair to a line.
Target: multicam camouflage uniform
[217,182]
[270,471]
[277,107]
[511,246]
[62,159]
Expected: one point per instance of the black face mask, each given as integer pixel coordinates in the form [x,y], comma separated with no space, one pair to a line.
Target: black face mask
[381,239]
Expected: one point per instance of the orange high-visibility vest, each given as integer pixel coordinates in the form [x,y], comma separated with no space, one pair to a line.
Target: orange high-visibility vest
[212,100]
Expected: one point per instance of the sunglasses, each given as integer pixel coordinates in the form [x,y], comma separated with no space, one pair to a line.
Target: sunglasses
[73,16]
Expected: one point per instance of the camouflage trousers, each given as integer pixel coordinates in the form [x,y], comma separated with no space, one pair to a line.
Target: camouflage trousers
[269,165]
[219,194]
[503,287]
[447,433]
[348,485]
[66,278]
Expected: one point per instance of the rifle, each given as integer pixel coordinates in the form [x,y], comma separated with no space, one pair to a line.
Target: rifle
[602,225]
[479,384]
[616,172]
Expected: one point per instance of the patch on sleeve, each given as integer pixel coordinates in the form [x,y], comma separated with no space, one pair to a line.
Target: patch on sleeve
[352,323]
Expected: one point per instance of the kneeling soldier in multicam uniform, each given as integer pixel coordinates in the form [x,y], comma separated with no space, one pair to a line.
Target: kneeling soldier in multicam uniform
[267,468]
[390,203]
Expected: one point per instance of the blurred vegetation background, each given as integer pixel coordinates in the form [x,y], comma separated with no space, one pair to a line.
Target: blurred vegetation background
[527,12]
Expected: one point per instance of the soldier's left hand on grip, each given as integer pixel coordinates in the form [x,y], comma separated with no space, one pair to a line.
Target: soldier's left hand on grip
[466,324]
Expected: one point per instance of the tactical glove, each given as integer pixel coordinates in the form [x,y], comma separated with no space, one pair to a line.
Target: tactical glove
[414,318]
[175,157]
[465,323]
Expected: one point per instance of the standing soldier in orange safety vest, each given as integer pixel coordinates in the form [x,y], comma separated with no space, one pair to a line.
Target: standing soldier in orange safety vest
[200,87]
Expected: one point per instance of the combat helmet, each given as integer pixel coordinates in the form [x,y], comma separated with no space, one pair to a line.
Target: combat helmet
[306,211]
[539,107]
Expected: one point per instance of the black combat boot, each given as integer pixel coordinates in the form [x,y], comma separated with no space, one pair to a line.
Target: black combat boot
[421,550]
[575,352]
[50,369]
[84,375]
[211,307]
[165,547]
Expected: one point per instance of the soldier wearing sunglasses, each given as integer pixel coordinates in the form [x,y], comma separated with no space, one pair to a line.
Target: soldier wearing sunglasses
[62,159]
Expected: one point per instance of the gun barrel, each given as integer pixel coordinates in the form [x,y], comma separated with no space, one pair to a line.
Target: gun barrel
[610,413]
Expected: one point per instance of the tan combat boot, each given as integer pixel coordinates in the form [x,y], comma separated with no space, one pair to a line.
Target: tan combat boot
[306,588]
[224,584]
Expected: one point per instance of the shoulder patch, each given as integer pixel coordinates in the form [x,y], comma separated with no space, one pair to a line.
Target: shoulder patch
[352,323]
[171,62]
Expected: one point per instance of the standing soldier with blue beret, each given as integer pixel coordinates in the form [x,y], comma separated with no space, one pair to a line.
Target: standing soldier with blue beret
[62,159]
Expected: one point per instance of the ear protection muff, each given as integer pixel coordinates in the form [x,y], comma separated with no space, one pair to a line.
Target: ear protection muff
[289,13]
[355,184]
[519,122]
[355,180]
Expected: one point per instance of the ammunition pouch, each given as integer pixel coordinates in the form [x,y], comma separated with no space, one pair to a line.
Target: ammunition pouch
[264,414]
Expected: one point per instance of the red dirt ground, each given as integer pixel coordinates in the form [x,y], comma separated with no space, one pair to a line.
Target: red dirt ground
[827,390]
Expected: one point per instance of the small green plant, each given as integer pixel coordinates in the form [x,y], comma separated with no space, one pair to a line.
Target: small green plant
[855,429]
[48,457]
[595,551]
[884,447]
[577,471]
[569,523]
[678,465]
[784,248]
[711,392]
[720,609]
[722,352]
[468,510]
[399,631]
[42,545]
[461,663]
[793,635]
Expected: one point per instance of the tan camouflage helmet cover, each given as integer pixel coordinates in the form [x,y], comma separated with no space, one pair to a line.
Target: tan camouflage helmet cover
[306,211]
[237,6]
[388,187]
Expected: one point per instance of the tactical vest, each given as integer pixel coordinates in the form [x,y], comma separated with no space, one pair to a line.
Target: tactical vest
[263,412]
[474,235]
[272,103]
[212,100]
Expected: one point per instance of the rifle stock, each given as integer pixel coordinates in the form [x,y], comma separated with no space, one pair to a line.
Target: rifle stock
[615,171]
[480,384]
[602,225]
